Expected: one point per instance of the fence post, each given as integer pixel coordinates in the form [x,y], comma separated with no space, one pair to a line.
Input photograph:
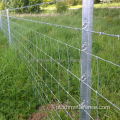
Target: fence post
[8,27]
[0,21]
[86,59]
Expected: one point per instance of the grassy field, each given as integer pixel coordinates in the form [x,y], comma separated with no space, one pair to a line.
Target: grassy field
[19,90]
[105,5]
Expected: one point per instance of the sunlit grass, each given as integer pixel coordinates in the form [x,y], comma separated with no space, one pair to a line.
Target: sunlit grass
[107,5]
[53,7]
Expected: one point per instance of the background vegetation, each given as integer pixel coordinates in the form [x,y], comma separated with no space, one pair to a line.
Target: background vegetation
[4,4]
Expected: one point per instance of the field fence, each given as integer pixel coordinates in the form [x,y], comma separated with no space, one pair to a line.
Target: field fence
[54,69]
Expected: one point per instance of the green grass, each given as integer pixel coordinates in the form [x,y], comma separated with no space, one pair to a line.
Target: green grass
[2,117]
[105,5]
[18,78]
[14,84]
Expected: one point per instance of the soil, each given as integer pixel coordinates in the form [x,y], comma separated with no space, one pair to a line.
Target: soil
[42,116]
[38,116]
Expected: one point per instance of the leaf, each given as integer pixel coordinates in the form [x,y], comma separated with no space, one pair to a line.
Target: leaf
[2,117]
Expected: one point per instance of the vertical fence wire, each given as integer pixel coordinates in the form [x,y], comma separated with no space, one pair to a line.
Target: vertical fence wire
[98,88]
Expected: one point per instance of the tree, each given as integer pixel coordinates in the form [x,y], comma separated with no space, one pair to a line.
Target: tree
[61,6]
[4,4]
[45,5]
[35,8]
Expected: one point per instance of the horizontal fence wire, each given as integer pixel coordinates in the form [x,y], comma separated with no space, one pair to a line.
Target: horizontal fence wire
[68,27]
[33,48]
[51,59]
[63,66]
[67,45]
[5,27]
[52,76]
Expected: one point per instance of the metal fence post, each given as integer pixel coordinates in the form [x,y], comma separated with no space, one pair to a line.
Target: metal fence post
[8,27]
[0,21]
[86,59]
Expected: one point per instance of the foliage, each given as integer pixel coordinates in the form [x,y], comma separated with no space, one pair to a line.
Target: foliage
[4,5]
[20,3]
[36,8]
[61,6]
[79,2]
[45,5]
[96,1]
[74,2]
[16,86]
[2,117]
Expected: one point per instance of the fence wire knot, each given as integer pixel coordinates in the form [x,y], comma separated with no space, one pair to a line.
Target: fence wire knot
[84,25]
[83,78]
[84,47]
[118,37]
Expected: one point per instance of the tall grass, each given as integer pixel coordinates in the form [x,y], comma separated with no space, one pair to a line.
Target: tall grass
[14,84]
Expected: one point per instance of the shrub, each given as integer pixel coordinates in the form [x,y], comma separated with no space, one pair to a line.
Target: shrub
[61,6]
[76,2]
[96,1]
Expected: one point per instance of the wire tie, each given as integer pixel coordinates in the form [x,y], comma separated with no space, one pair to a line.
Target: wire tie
[100,33]
[118,37]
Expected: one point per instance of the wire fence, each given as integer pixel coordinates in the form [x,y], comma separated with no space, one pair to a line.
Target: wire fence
[54,69]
